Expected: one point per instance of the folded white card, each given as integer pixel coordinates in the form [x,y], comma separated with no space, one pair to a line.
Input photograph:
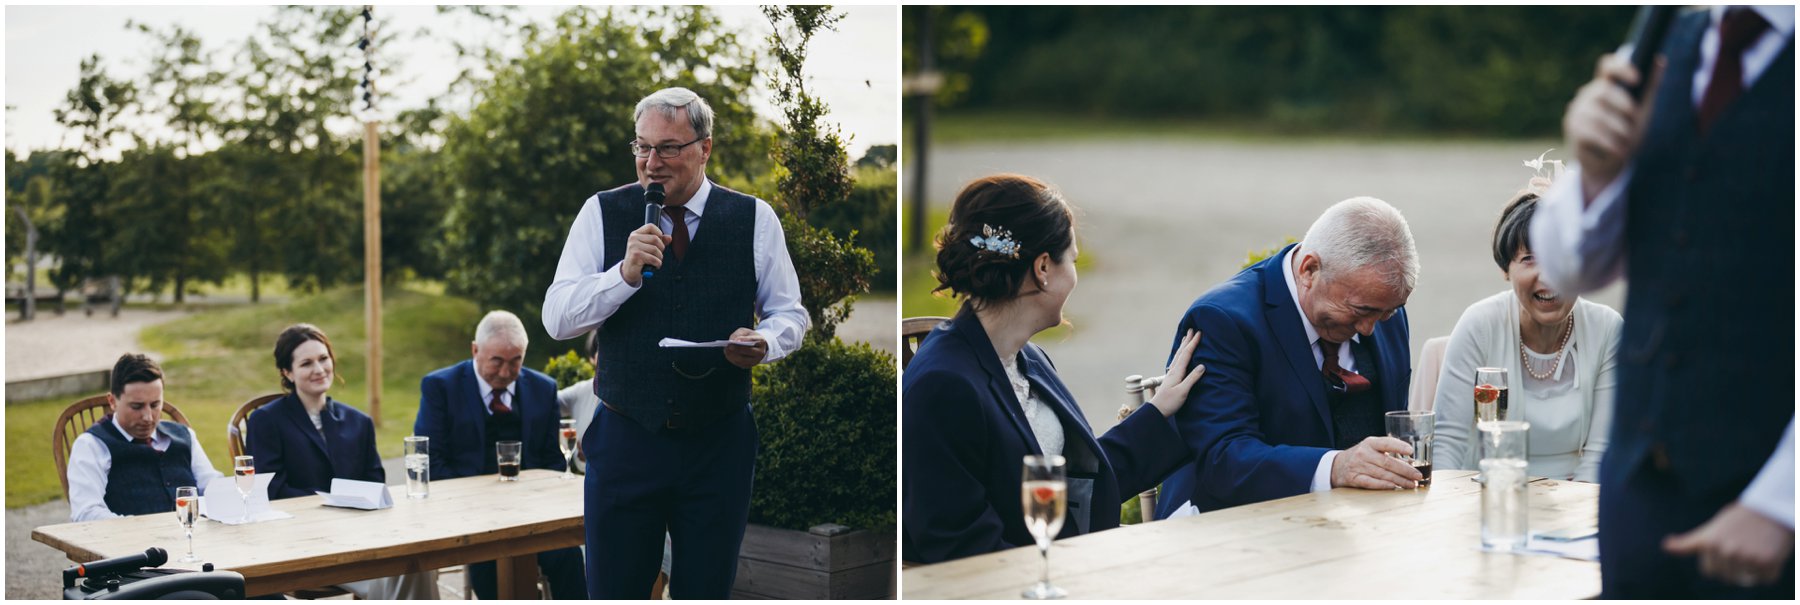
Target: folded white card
[676,343]
[350,493]
[221,501]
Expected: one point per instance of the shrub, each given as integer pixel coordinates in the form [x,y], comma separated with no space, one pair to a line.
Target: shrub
[568,369]
[827,424]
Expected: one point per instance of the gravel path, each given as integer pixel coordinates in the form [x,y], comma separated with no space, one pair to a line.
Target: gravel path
[53,345]
[1166,220]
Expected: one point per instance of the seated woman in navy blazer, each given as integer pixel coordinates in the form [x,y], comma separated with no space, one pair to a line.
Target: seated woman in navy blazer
[978,397]
[306,439]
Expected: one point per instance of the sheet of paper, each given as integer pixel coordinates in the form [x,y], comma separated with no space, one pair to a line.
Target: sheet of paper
[221,502]
[676,343]
[366,495]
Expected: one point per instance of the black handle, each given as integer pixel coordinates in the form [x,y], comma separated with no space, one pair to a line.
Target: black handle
[1646,38]
[653,198]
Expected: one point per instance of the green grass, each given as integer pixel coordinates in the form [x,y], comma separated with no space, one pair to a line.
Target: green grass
[988,126]
[216,360]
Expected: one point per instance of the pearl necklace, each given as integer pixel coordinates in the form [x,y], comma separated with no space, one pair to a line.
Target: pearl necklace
[1525,359]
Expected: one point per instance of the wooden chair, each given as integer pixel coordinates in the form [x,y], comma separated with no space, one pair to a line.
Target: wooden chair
[240,422]
[1138,391]
[76,419]
[912,334]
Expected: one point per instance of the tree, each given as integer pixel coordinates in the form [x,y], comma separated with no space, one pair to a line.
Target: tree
[550,129]
[92,109]
[174,232]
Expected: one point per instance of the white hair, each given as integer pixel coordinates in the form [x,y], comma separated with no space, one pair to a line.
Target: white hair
[501,324]
[668,100]
[1364,232]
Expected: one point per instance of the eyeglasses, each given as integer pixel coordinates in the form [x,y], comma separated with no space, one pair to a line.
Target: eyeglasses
[663,151]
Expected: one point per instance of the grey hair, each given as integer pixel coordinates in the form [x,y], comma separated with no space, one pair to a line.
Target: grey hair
[501,324]
[668,100]
[1365,232]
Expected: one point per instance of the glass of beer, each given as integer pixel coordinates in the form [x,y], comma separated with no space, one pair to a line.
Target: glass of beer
[566,439]
[1490,394]
[245,469]
[1044,496]
[187,506]
[1416,429]
[418,466]
[508,451]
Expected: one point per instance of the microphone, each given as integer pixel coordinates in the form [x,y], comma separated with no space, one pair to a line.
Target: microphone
[653,198]
[151,557]
[1647,32]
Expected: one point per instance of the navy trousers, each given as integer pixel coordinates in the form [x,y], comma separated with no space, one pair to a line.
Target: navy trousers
[562,567]
[1635,515]
[694,482]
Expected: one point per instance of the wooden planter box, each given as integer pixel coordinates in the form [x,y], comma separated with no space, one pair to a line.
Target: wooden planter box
[827,562]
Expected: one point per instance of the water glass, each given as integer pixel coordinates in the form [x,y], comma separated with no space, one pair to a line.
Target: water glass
[1504,505]
[1044,496]
[1417,430]
[508,453]
[418,466]
[1505,440]
[187,506]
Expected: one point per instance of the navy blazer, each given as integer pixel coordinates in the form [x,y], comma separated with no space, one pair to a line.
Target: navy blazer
[284,442]
[453,415]
[1258,421]
[966,437]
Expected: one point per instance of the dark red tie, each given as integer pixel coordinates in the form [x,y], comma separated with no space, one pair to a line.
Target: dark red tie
[141,441]
[498,407]
[1740,28]
[678,215]
[1353,382]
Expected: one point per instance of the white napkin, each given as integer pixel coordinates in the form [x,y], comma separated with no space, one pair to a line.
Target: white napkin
[221,502]
[350,493]
[1187,509]
[676,343]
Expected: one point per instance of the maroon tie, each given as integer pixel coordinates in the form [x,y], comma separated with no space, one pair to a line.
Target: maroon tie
[678,215]
[1353,382]
[498,407]
[1740,28]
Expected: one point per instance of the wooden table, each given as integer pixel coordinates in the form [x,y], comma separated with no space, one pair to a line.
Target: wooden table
[465,520]
[1341,544]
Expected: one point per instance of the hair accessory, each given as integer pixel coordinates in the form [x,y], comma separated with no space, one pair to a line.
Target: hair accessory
[997,240]
[1547,172]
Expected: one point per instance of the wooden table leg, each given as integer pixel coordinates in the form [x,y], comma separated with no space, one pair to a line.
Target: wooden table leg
[517,577]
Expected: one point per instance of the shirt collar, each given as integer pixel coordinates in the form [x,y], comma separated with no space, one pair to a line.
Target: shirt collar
[157,440]
[487,390]
[1287,271]
[697,205]
[1780,18]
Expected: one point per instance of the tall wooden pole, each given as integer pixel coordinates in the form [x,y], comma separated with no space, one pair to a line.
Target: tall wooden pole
[372,261]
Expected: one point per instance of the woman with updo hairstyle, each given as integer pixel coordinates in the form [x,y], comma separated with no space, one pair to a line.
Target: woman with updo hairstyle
[978,396]
[1559,352]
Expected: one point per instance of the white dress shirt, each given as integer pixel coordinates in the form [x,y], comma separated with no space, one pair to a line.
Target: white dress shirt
[487,391]
[1581,249]
[90,463]
[1322,475]
[585,294]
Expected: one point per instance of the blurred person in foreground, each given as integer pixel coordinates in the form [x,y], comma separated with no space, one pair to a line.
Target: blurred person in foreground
[1306,351]
[131,461]
[978,397]
[1688,194]
[1559,351]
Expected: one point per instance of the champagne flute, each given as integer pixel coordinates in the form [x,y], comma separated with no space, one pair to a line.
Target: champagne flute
[1490,394]
[245,467]
[1044,494]
[187,505]
[568,447]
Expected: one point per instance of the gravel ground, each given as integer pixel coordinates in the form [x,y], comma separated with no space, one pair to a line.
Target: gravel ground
[1166,220]
[42,347]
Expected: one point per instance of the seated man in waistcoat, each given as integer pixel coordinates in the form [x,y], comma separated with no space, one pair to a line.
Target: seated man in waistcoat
[469,407]
[131,461]
[673,446]
[1304,353]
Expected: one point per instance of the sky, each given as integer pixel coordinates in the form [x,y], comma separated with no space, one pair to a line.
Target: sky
[855,69]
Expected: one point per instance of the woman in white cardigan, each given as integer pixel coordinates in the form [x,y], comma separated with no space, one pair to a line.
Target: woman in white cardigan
[1559,352]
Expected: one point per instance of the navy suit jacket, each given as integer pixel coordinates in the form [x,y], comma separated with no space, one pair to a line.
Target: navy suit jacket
[967,436]
[284,442]
[453,415]
[1258,421]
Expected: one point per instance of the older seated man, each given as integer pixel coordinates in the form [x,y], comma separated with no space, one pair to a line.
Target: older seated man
[468,408]
[131,461]
[1304,353]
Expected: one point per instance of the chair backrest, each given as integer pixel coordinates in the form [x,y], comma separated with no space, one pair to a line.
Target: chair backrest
[76,419]
[238,428]
[912,333]
[1423,393]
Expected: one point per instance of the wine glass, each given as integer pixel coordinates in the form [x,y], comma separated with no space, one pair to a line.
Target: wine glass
[1490,394]
[187,505]
[1044,494]
[568,447]
[245,467]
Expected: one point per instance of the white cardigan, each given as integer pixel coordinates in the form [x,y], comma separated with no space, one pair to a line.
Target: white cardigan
[1564,443]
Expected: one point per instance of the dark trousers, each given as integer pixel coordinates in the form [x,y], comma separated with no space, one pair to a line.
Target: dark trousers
[561,567]
[693,482]
[1635,515]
